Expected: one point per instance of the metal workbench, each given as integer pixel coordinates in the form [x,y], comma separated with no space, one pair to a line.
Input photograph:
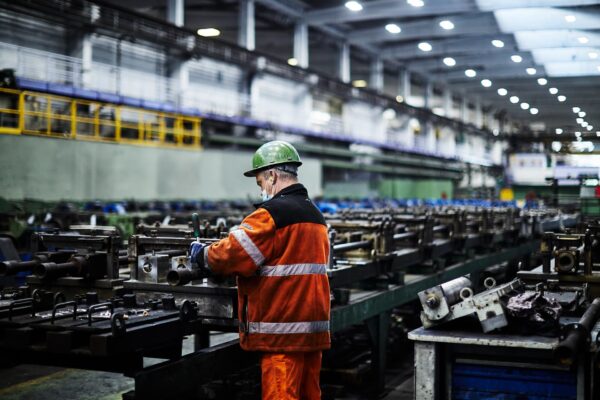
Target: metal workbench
[473,365]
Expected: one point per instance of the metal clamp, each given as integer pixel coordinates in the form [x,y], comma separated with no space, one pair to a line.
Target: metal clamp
[20,302]
[117,324]
[97,307]
[63,305]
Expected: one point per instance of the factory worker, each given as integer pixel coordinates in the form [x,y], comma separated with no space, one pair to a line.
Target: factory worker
[279,254]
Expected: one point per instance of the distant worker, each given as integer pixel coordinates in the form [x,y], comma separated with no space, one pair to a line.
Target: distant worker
[279,254]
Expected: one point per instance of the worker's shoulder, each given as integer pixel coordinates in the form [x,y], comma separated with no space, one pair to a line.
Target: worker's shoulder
[293,209]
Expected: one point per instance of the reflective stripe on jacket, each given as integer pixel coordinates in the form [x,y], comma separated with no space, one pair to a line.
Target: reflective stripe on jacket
[280,254]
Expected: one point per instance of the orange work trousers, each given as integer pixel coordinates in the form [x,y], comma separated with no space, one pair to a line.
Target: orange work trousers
[291,376]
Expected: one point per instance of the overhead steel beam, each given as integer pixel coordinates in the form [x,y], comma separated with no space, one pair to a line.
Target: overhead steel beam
[470,24]
[246,30]
[484,72]
[491,5]
[294,9]
[450,47]
[389,9]
[502,58]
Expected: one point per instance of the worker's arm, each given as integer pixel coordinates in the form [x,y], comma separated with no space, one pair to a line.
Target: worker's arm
[245,249]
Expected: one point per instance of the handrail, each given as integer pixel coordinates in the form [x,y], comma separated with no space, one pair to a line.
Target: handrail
[42,114]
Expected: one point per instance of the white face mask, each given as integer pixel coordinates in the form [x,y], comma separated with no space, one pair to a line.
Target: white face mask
[265,195]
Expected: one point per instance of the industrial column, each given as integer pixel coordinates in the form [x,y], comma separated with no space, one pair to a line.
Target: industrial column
[178,68]
[478,113]
[447,103]
[344,63]
[175,12]
[404,89]
[301,43]
[246,33]
[464,110]
[428,96]
[376,80]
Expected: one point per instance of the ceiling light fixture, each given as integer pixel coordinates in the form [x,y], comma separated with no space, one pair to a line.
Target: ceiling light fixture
[579,120]
[562,98]
[354,6]
[570,18]
[447,25]
[449,61]
[531,71]
[534,111]
[577,133]
[502,92]
[524,106]
[470,73]
[582,114]
[497,43]
[393,28]
[416,3]
[576,109]
[516,58]
[593,55]
[589,127]
[542,81]
[208,32]
[559,131]
[424,46]
[553,90]
[292,61]
[514,99]
[359,83]
[486,83]
[583,39]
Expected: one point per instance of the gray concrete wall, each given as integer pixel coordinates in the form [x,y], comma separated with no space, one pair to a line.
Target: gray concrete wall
[55,169]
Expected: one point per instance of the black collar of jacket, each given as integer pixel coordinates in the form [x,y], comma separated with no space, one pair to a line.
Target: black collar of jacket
[297,189]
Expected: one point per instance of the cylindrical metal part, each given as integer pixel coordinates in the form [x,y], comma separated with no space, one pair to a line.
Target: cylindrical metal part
[340,248]
[53,270]
[13,267]
[405,235]
[567,350]
[452,289]
[182,276]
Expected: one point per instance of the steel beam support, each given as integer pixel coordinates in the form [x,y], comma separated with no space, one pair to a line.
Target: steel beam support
[478,113]
[344,63]
[378,327]
[86,60]
[428,96]
[301,43]
[405,89]
[376,77]
[246,21]
[176,12]
[464,109]
[447,103]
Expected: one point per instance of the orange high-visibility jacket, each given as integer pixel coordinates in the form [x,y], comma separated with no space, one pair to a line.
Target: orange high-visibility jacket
[280,254]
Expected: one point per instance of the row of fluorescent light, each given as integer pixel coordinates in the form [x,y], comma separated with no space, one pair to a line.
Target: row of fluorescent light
[356,6]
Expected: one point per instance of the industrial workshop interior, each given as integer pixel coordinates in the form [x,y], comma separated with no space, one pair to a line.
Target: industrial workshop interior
[299,199]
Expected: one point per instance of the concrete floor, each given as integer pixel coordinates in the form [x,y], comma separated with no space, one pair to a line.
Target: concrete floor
[37,382]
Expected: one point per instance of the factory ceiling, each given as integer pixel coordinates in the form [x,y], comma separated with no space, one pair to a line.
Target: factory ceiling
[546,53]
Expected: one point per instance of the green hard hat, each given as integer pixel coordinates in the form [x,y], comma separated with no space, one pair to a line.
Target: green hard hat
[271,154]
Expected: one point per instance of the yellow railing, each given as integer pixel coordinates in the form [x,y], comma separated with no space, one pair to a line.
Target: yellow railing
[34,113]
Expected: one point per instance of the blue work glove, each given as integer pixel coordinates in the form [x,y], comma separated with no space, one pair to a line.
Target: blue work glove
[197,253]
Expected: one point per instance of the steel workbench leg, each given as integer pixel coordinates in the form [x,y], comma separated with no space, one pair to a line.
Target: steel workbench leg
[426,371]
[378,327]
